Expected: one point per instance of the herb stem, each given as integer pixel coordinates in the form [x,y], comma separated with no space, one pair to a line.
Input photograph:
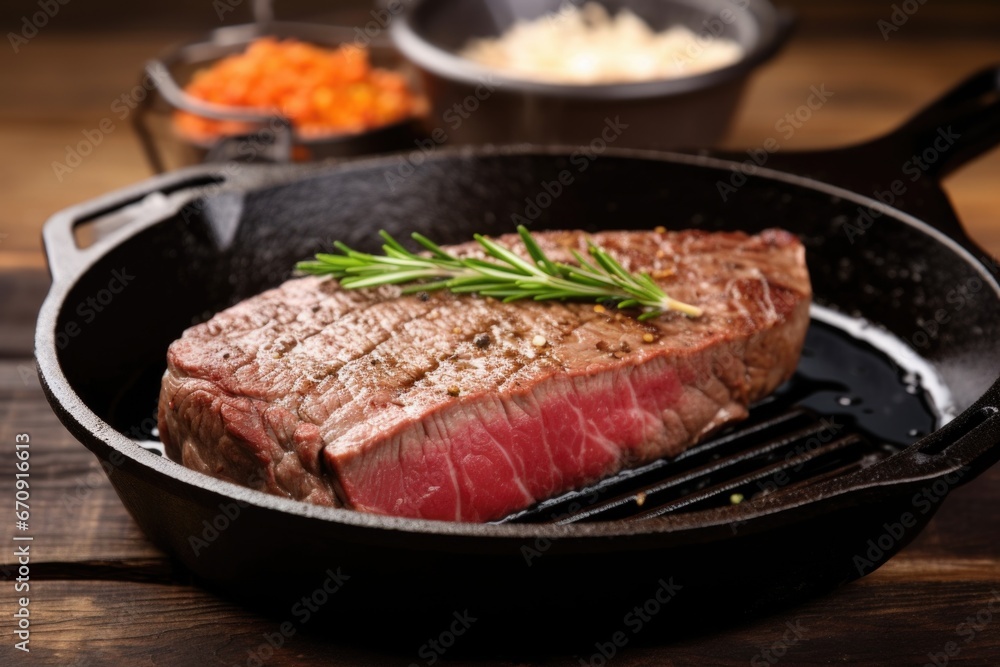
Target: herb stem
[504,275]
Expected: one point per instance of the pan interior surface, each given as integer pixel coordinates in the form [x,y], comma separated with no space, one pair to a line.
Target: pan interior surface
[234,243]
[850,404]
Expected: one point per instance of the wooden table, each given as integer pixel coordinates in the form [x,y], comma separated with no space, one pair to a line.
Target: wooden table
[102,595]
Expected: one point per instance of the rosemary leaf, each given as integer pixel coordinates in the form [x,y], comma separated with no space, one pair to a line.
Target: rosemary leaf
[597,276]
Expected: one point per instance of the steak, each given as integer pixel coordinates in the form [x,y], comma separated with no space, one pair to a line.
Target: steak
[464,408]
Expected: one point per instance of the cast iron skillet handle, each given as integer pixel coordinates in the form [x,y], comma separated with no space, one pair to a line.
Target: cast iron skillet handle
[67,259]
[954,130]
[951,131]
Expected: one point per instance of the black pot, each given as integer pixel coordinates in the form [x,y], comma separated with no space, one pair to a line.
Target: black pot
[473,104]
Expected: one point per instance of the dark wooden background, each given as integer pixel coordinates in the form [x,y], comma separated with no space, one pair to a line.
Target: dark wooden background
[101,595]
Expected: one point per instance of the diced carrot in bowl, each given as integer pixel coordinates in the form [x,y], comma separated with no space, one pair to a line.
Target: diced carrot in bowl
[321,91]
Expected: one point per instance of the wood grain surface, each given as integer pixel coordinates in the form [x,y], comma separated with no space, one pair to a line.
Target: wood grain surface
[102,595]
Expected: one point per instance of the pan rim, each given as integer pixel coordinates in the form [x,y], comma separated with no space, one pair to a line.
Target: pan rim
[88,427]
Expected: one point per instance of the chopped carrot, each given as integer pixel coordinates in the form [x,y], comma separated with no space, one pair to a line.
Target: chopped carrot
[321,91]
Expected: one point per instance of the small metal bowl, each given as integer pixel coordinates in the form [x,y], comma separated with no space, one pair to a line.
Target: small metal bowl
[270,137]
[474,104]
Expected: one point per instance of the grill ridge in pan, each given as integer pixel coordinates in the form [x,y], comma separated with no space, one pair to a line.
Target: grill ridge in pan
[197,247]
[813,428]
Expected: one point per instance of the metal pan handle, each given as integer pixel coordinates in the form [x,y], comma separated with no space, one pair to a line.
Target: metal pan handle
[272,143]
[953,130]
[263,11]
[120,211]
[957,128]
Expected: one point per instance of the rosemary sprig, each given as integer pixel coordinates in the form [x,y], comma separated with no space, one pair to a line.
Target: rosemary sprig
[505,276]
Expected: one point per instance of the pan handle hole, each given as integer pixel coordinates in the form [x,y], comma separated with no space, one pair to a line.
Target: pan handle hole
[952,433]
[92,228]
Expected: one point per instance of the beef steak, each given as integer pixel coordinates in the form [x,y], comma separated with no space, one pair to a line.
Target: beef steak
[450,407]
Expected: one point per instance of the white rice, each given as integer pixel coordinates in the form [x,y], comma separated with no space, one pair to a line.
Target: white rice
[587,46]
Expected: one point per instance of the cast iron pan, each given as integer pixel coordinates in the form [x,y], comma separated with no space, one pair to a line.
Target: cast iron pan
[198,240]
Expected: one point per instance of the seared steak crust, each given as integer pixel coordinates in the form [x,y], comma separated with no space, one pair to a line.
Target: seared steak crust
[443,407]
